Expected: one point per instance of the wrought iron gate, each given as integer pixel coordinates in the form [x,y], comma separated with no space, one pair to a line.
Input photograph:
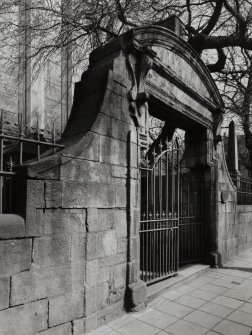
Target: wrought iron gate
[159,213]
[171,223]
[191,219]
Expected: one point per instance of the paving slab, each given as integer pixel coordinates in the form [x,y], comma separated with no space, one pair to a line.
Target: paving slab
[183,327]
[138,328]
[175,309]
[241,317]
[217,310]
[190,301]
[217,302]
[228,302]
[227,327]
[213,288]
[246,307]
[158,319]
[204,295]
[203,319]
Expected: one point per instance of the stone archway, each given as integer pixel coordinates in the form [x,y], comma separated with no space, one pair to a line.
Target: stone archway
[87,195]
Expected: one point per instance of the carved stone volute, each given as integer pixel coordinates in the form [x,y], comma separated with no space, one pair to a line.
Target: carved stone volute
[139,66]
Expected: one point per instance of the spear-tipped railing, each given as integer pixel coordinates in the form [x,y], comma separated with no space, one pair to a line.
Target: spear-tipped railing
[19,144]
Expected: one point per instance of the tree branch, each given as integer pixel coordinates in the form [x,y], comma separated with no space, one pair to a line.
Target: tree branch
[214,18]
[220,64]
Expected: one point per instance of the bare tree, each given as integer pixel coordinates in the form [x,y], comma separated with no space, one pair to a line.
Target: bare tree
[219,30]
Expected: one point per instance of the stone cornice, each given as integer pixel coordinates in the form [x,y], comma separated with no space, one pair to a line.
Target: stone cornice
[139,40]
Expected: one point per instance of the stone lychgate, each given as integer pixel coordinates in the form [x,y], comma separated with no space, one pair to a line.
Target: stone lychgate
[75,264]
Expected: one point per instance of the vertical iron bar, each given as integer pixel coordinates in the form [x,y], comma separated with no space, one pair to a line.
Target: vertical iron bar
[178,203]
[38,139]
[54,138]
[21,135]
[160,212]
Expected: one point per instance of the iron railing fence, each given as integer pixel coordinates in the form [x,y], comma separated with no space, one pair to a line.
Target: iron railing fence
[18,145]
[244,188]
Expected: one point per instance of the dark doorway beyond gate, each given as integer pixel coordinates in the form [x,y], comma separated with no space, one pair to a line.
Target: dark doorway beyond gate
[172,201]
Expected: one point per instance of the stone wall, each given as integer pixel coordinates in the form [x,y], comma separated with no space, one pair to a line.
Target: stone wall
[70,261]
[66,268]
[233,222]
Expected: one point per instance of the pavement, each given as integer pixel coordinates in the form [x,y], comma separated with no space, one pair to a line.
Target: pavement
[218,301]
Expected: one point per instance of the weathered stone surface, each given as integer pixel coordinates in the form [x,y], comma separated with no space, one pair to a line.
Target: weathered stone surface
[85,195]
[113,151]
[15,256]
[100,219]
[119,276]
[78,248]
[90,302]
[121,196]
[24,320]
[4,292]
[102,295]
[90,322]
[53,250]
[66,308]
[110,313]
[78,327]
[83,171]
[112,127]
[136,294]
[121,223]
[101,244]
[47,168]
[53,194]
[34,227]
[118,172]
[64,221]
[105,219]
[35,200]
[133,272]
[87,148]
[103,272]
[11,226]
[65,329]
[116,295]
[40,283]
[122,245]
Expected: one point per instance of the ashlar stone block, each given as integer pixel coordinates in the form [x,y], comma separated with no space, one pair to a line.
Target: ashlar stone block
[66,308]
[113,151]
[40,283]
[15,256]
[4,292]
[86,195]
[25,320]
[101,244]
[53,194]
[65,329]
[52,250]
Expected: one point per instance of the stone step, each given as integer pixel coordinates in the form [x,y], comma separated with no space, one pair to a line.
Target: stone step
[184,274]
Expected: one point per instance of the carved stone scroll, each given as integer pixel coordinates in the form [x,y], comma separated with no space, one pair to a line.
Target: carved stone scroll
[139,67]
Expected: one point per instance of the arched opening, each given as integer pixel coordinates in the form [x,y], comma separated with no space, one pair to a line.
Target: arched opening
[172,216]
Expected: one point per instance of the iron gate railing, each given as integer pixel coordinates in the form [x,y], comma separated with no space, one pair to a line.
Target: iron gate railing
[191,220]
[243,188]
[159,212]
[16,148]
